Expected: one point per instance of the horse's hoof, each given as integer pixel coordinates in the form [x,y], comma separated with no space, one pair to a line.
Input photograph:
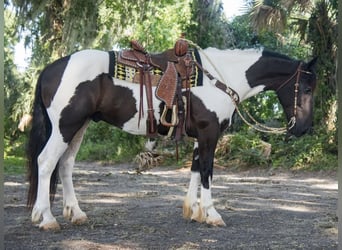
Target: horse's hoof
[216,222]
[79,220]
[51,226]
[187,209]
[198,215]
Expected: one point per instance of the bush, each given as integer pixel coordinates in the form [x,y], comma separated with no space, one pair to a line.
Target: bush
[244,149]
[103,142]
[249,149]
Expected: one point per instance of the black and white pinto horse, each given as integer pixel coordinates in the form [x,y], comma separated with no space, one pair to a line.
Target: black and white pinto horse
[77,89]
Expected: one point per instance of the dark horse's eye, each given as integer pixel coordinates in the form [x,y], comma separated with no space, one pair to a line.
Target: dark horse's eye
[308,90]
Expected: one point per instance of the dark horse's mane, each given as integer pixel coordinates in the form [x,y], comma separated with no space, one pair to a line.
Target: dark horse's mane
[268,53]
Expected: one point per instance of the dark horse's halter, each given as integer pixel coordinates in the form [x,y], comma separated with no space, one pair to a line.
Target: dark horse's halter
[292,121]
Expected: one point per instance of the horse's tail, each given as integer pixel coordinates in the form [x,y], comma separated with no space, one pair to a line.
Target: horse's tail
[39,135]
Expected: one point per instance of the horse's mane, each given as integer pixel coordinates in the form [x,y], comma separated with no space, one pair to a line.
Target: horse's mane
[268,53]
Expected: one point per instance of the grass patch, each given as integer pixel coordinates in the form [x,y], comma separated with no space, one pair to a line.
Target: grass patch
[14,155]
[14,165]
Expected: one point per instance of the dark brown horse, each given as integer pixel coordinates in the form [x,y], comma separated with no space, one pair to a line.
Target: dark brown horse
[79,88]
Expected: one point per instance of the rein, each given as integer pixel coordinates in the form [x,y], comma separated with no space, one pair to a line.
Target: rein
[236,99]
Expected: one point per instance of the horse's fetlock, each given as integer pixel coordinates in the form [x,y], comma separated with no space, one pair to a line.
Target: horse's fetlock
[67,212]
[36,214]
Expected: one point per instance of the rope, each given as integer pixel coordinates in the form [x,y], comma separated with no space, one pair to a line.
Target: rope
[257,126]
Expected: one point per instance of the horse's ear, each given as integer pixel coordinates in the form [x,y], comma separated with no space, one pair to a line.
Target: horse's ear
[312,64]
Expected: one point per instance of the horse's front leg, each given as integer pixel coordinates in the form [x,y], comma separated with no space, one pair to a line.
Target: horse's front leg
[191,207]
[207,210]
[201,174]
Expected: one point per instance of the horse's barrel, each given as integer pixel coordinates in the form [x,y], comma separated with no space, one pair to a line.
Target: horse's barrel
[181,47]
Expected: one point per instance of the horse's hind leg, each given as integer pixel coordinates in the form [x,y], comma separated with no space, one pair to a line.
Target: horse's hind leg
[47,161]
[71,209]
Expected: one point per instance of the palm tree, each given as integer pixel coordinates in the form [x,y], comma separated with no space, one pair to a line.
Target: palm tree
[274,14]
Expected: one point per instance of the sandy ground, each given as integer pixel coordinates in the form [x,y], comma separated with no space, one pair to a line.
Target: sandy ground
[263,209]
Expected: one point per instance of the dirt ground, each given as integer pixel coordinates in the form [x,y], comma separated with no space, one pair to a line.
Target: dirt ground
[263,209]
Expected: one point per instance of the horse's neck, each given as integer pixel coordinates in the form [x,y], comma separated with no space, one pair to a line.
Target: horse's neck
[230,66]
[270,72]
[248,72]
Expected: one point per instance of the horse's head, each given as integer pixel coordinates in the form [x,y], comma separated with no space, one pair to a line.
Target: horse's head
[296,97]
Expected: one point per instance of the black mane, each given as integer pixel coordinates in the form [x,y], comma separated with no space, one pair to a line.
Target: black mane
[268,53]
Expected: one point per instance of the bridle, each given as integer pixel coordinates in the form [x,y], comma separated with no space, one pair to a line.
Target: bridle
[299,70]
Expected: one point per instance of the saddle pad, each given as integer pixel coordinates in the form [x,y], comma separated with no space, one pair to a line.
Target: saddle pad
[131,74]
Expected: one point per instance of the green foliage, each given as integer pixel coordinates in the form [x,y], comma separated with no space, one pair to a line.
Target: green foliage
[248,149]
[14,165]
[103,142]
[208,26]
[242,32]
[241,150]
[14,155]
[310,152]
[58,28]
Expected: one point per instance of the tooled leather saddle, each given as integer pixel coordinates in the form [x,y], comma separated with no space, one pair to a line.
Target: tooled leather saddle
[170,71]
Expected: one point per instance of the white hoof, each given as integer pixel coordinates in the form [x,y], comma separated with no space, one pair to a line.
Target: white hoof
[75,215]
[187,209]
[198,214]
[49,226]
[191,211]
[79,220]
[217,222]
[213,217]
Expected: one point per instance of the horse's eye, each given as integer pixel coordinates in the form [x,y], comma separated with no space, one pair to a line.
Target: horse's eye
[308,90]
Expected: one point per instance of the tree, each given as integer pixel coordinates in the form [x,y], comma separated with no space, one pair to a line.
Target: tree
[56,28]
[13,85]
[209,27]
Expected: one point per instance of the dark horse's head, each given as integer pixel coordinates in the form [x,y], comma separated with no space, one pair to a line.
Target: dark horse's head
[296,97]
[293,81]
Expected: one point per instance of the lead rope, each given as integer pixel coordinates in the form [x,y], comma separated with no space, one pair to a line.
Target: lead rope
[257,126]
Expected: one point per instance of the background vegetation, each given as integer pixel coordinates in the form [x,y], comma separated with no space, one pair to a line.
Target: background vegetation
[298,28]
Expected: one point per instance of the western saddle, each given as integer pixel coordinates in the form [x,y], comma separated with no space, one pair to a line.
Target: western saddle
[177,66]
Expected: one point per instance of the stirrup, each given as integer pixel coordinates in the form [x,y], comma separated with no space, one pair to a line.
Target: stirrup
[174,117]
